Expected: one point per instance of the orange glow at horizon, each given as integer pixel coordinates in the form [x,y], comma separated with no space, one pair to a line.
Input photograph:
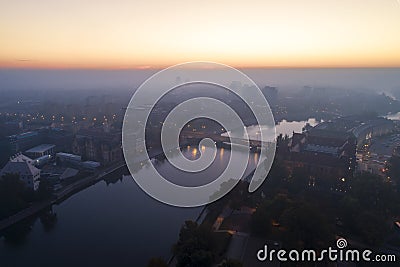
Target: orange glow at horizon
[155,34]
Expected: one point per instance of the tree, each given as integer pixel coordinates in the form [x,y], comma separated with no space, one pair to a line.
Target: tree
[199,258]
[261,221]
[13,195]
[299,181]
[195,245]
[375,193]
[369,207]
[306,226]
[394,169]
[230,263]
[45,189]
[267,212]
[275,179]
[157,262]
[5,151]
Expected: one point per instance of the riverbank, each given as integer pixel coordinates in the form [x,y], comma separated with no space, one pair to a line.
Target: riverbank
[116,219]
[59,196]
[66,192]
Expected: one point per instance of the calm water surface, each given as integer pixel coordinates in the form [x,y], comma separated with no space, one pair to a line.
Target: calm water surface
[109,224]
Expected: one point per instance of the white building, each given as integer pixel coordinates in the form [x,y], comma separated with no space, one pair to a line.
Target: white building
[23,166]
[40,151]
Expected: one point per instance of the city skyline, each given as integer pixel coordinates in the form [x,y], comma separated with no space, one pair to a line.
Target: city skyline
[103,35]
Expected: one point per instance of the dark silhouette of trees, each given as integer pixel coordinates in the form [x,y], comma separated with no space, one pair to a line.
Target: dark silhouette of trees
[261,221]
[45,190]
[230,263]
[13,195]
[5,151]
[394,169]
[157,262]
[298,181]
[195,245]
[306,226]
[369,207]
[275,180]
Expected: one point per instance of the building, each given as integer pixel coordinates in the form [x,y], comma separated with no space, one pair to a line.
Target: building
[362,127]
[369,133]
[271,94]
[62,158]
[68,173]
[102,147]
[40,151]
[327,157]
[21,142]
[14,127]
[373,128]
[90,165]
[23,166]
[41,161]
[62,139]
[396,151]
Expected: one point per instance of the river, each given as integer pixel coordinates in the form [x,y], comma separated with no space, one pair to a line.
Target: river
[110,224]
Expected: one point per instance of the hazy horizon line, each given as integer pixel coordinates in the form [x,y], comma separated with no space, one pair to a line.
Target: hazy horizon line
[155,68]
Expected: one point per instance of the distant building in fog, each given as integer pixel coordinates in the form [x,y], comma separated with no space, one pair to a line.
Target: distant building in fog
[98,146]
[362,127]
[14,127]
[24,141]
[396,151]
[271,94]
[62,139]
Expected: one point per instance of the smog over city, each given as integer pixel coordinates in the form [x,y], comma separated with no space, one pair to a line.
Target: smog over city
[227,134]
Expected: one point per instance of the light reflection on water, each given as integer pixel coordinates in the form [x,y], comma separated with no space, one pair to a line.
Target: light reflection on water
[395,116]
[194,152]
[206,176]
[283,127]
[115,224]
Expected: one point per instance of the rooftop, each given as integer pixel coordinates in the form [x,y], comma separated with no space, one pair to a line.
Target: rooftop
[24,135]
[69,172]
[20,158]
[63,154]
[353,124]
[40,148]
[20,164]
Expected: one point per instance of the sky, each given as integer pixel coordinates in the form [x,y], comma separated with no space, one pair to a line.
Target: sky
[157,33]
